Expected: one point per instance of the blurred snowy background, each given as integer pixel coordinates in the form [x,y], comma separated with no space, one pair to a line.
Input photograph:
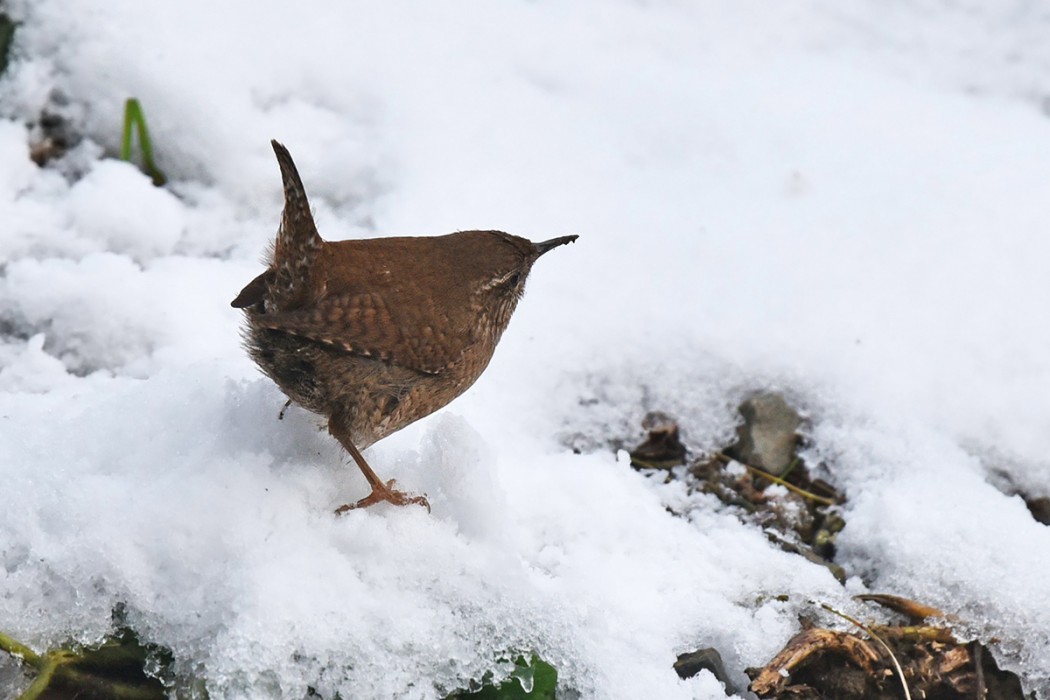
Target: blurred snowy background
[845,201]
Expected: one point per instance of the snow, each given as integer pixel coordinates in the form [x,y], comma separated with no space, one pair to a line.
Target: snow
[844,202]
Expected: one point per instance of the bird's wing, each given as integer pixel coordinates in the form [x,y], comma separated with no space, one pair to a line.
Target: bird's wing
[361,324]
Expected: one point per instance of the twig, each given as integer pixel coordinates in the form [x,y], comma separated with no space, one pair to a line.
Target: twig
[981,691]
[877,638]
[795,461]
[20,650]
[777,480]
[47,671]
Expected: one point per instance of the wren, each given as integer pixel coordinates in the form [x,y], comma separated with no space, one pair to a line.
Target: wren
[377,333]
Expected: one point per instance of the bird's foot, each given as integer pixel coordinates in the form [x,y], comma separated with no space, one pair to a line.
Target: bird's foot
[386,492]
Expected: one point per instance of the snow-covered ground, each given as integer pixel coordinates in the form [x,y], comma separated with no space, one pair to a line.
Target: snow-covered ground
[844,201]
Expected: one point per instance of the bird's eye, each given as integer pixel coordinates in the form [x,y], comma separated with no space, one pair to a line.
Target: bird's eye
[507,281]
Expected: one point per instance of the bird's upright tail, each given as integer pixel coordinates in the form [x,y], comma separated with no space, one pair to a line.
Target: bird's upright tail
[296,252]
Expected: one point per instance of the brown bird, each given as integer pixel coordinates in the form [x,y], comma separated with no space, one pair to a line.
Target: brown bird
[375,334]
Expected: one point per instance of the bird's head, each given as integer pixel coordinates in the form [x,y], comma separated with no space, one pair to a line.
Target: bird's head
[509,259]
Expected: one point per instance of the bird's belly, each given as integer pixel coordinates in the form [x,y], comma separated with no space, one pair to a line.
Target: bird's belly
[371,398]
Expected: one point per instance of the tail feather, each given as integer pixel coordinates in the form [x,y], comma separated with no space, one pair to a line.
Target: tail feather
[298,244]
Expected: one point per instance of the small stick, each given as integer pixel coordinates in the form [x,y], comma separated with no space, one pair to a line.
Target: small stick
[777,480]
[877,638]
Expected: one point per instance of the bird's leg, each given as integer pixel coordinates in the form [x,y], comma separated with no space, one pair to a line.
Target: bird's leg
[380,491]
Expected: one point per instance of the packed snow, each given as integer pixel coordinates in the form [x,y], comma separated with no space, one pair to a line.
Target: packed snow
[843,202]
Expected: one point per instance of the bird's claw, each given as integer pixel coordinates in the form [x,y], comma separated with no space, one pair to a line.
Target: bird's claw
[385,492]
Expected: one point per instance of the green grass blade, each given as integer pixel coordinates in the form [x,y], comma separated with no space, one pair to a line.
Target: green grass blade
[134,117]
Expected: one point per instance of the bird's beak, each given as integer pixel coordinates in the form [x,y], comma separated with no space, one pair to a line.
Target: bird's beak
[553,243]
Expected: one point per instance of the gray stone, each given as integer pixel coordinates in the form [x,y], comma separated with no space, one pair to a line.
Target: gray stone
[769,434]
[688,665]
